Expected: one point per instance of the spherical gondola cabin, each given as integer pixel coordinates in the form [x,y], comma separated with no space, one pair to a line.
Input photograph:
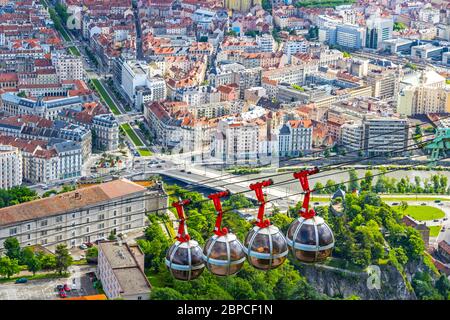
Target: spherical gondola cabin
[265,245]
[223,253]
[309,238]
[184,259]
[337,203]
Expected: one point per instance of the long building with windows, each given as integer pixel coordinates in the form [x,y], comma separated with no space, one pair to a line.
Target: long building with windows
[83,215]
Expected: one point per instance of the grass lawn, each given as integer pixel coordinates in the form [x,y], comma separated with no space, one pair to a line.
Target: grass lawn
[99,87]
[423,213]
[435,230]
[130,132]
[144,152]
[73,50]
[155,279]
[36,277]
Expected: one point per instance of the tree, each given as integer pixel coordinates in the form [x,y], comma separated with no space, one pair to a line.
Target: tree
[8,266]
[166,294]
[63,258]
[48,261]
[34,264]
[112,236]
[12,248]
[353,181]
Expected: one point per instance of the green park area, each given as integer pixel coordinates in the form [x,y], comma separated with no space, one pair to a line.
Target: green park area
[144,152]
[104,95]
[434,230]
[74,51]
[424,213]
[130,133]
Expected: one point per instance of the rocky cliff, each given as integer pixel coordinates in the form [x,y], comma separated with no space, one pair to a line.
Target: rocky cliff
[336,282]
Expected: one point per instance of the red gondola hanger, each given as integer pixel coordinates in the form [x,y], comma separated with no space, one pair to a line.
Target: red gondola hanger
[257,187]
[265,245]
[215,197]
[184,258]
[182,234]
[223,253]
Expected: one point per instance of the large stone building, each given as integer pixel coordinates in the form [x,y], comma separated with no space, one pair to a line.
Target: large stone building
[83,215]
[121,271]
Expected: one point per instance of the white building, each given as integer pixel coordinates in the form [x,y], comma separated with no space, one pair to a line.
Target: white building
[265,42]
[83,215]
[121,271]
[425,92]
[295,137]
[68,67]
[10,167]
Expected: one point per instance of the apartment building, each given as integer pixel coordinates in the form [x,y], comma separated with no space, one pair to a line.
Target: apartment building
[106,131]
[10,167]
[121,271]
[68,67]
[384,135]
[79,216]
[47,161]
[295,137]
[424,93]
[15,105]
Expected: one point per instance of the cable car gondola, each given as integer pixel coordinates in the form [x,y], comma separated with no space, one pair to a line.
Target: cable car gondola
[309,237]
[223,253]
[265,245]
[184,258]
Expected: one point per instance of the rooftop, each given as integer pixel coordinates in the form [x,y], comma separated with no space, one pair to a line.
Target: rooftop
[70,201]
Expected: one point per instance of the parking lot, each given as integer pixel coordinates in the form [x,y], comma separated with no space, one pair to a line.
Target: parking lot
[45,289]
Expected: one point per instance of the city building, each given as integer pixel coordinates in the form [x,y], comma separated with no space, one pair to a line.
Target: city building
[10,167]
[378,29]
[121,271]
[295,137]
[83,215]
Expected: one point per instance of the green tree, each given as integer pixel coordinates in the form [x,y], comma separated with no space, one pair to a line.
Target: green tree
[12,248]
[9,267]
[353,183]
[165,294]
[63,258]
[34,264]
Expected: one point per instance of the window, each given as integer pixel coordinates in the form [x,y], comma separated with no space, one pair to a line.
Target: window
[115,213]
[128,218]
[58,238]
[101,208]
[28,226]
[43,233]
[74,215]
[115,222]
[12,231]
[101,217]
[101,226]
[87,220]
[44,241]
[44,223]
[59,219]
[128,209]
[58,228]
[28,236]
[87,229]
[128,226]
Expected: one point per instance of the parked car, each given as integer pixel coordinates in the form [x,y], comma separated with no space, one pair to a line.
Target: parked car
[437,201]
[22,280]
[59,287]
[89,244]
[66,287]
[188,172]
[62,294]
[316,203]
[423,204]
[435,220]
[395,204]
[83,246]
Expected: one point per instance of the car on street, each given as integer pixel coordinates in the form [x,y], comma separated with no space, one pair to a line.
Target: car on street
[83,246]
[437,201]
[59,287]
[66,287]
[395,204]
[423,204]
[62,294]
[435,220]
[22,280]
[89,244]
[316,203]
